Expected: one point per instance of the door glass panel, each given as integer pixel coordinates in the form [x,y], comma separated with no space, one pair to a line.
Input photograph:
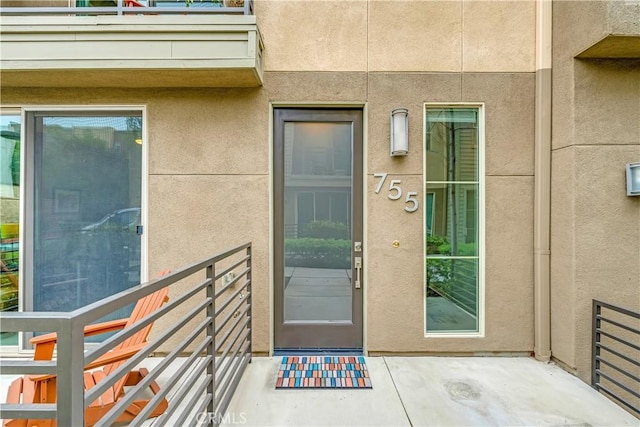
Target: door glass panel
[87,200]
[9,218]
[317,245]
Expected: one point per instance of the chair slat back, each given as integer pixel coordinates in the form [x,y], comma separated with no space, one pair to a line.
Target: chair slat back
[142,309]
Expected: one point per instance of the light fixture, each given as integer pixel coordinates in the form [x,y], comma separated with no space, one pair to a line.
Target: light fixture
[399,142]
[633,179]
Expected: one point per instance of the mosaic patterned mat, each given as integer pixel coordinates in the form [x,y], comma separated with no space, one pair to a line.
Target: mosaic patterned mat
[323,372]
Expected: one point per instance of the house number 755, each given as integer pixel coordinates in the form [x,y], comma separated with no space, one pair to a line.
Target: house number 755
[395,192]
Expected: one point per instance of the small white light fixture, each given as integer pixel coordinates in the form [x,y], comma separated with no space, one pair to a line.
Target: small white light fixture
[633,179]
[399,143]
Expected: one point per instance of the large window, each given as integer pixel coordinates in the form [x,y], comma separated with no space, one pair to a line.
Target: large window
[453,185]
[79,237]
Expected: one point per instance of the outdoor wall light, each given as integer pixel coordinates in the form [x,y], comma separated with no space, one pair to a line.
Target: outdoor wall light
[399,143]
[633,179]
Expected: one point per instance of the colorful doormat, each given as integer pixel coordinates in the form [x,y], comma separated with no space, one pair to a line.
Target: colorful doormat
[323,372]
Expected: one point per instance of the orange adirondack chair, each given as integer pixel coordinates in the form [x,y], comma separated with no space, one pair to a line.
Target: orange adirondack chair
[42,388]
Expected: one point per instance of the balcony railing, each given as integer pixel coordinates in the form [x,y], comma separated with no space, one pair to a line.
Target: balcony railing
[205,351]
[137,7]
[615,365]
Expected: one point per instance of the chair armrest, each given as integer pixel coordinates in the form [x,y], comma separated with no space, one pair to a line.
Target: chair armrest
[105,359]
[98,328]
[46,343]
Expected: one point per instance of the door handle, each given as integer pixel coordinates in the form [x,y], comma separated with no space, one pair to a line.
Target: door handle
[357,263]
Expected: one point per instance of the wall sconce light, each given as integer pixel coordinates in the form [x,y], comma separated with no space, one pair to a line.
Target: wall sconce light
[399,142]
[633,179]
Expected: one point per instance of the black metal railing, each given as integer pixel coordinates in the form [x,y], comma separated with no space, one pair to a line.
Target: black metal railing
[207,327]
[615,362]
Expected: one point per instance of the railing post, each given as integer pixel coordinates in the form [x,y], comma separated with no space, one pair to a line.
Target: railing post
[211,347]
[70,376]
[595,340]
[249,301]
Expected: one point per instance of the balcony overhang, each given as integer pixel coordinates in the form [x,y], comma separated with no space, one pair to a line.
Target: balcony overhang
[613,46]
[131,51]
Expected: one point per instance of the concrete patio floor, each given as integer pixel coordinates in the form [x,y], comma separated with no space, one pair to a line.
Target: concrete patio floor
[429,391]
[418,391]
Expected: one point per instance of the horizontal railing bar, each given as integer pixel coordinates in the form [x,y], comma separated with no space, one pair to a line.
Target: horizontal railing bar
[123,403]
[619,369]
[105,306]
[226,352]
[222,387]
[223,402]
[232,267]
[620,355]
[203,405]
[220,343]
[115,376]
[40,411]
[224,305]
[233,282]
[618,309]
[620,325]
[618,383]
[111,342]
[619,399]
[21,367]
[199,391]
[620,340]
[235,345]
[231,314]
[33,321]
[168,385]
[181,393]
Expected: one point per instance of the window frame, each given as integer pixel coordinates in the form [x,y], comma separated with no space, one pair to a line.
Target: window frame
[27,113]
[480,333]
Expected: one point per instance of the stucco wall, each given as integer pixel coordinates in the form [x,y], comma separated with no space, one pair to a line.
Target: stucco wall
[209,150]
[595,237]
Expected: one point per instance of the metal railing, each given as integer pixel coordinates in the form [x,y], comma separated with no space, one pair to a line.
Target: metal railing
[615,353]
[124,7]
[209,347]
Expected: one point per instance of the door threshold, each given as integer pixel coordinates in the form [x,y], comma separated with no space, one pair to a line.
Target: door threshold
[317,351]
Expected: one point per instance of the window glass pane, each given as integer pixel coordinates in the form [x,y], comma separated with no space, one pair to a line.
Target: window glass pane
[452,144]
[9,217]
[452,295]
[340,207]
[453,217]
[87,201]
[317,270]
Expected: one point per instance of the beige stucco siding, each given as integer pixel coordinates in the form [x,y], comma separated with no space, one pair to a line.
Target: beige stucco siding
[595,234]
[402,36]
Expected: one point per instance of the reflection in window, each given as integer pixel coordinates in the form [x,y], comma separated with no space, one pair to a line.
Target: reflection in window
[317,221]
[86,207]
[452,219]
[9,217]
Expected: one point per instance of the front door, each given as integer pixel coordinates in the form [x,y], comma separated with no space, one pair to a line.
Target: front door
[318,255]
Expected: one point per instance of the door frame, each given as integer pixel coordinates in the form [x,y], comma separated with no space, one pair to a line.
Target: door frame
[361,108]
